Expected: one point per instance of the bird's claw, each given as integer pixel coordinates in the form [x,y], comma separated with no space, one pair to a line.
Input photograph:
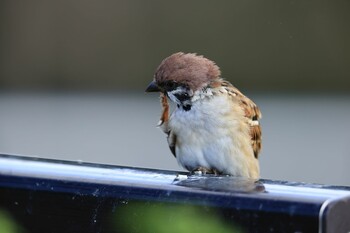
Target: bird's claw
[204,171]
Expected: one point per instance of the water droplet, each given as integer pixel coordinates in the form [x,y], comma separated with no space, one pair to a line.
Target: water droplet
[125,202]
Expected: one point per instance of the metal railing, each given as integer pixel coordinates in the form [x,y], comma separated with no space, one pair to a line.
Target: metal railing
[41,195]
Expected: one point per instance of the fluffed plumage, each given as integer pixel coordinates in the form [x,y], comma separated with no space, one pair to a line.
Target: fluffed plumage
[214,128]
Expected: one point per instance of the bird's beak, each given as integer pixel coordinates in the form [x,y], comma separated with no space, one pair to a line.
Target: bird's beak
[152,87]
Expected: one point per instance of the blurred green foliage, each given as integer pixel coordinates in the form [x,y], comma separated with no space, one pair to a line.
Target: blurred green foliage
[170,218]
[8,224]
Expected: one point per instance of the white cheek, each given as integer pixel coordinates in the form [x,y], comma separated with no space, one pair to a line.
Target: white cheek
[173,98]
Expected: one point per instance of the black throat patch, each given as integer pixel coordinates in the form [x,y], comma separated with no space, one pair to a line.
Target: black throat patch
[185,107]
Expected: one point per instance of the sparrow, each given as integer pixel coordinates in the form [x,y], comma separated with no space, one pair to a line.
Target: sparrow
[214,128]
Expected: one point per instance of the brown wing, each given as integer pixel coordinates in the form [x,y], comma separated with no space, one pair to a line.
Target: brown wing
[252,112]
[163,123]
[172,142]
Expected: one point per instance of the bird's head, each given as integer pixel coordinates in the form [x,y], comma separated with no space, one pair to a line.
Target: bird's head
[180,75]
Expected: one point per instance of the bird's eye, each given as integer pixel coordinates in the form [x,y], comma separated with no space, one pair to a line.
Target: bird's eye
[171,85]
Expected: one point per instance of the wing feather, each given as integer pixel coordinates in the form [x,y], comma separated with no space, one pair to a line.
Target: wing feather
[172,142]
[252,112]
[163,124]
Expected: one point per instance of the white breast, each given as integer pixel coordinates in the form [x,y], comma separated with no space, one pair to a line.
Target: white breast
[213,134]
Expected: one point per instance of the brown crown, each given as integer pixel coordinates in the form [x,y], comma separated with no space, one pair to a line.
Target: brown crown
[188,69]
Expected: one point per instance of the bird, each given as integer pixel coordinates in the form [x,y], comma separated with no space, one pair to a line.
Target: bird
[213,128]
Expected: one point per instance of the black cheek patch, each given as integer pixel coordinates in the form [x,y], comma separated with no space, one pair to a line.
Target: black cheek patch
[182,97]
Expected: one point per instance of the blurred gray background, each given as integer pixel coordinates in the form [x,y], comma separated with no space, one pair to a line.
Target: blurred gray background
[73,74]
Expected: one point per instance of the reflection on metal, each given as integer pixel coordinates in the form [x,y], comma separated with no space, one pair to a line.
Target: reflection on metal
[67,196]
[221,183]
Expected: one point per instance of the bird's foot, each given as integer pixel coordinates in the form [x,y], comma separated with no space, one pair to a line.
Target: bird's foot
[204,171]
